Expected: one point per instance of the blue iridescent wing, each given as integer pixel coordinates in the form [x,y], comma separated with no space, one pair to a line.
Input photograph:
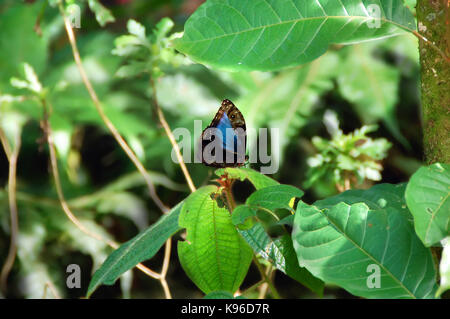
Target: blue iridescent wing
[230,140]
[230,123]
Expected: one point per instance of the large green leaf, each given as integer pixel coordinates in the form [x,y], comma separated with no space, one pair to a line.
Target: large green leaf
[214,255]
[270,34]
[348,239]
[427,196]
[142,247]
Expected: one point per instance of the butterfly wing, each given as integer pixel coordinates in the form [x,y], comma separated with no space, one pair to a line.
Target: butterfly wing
[231,125]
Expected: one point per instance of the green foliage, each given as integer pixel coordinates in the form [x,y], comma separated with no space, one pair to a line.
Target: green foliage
[371,86]
[427,196]
[147,53]
[213,255]
[365,84]
[221,295]
[338,239]
[279,251]
[444,267]
[347,158]
[102,14]
[140,248]
[258,180]
[269,35]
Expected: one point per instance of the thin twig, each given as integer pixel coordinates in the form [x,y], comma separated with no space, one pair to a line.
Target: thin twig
[252,287]
[13,155]
[265,277]
[5,144]
[172,140]
[50,285]
[123,144]
[54,166]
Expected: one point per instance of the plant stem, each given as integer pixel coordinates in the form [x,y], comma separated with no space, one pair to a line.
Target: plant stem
[49,285]
[172,140]
[12,158]
[123,144]
[266,278]
[65,207]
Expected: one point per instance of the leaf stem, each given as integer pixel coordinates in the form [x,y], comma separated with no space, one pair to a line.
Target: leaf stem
[265,277]
[12,158]
[65,207]
[171,137]
[120,140]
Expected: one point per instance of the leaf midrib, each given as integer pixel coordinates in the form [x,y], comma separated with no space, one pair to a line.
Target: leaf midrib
[433,215]
[298,20]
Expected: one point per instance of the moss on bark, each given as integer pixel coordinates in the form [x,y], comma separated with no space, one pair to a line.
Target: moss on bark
[433,18]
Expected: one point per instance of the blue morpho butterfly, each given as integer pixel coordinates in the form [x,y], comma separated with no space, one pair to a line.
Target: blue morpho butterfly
[223,142]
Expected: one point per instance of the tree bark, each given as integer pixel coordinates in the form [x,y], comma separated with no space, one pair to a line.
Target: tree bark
[433,19]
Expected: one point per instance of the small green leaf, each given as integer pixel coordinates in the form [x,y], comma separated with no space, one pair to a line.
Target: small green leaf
[214,255]
[142,247]
[163,27]
[132,69]
[269,198]
[137,29]
[274,197]
[102,14]
[257,179]
[427,196]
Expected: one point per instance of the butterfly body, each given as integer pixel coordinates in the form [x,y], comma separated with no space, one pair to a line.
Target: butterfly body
[228,127]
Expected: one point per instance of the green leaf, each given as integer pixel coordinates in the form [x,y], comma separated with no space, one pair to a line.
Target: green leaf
[281,254]
[131,69]
[269,34]
[220,295]
[279,251]
[347,239]
[257,179]
[274,197]
[18,41]
[102,14]
[142,247]
[214,255]
[136,29]
[267,199]
[444,267]
[427,196]
[361,80]
[163,27]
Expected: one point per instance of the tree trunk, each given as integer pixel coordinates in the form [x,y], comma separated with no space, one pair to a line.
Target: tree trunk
[433,18]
